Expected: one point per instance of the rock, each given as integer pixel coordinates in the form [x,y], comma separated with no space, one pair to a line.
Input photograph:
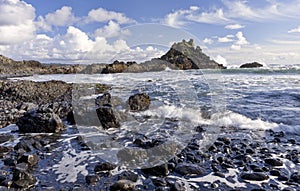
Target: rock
[116,67]
[184,56]
[255,176]
[251,65]
[6,137]
[31,159]
[295,177]
[139,102]
[122,185]
[161,170]
[40,121]
[189,169]
[128,175]
[107,117]
[105,99]
[105,166]
[273,162]
[22,179]
[92,179]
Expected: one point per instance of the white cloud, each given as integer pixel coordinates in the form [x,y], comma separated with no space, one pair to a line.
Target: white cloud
[228,38]
[241,39]
[113,29]
[77,47]
[176,19]
[16,21]
[234,26]
[194,8]
[103,15]
[235,47]
[295,30]
[214,17]
[61,17]
[208,41]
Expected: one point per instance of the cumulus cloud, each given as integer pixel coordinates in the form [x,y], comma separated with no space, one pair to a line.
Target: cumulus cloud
[61,17]
[16,21]
[112,29]
[295,30]
[227,38]
[76,46]
[234,26]
[214,17]
[221,60]
[241,40]
[208,41]
[103,15]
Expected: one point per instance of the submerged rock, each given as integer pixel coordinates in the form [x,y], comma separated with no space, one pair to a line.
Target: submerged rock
[42,120]
[139,102]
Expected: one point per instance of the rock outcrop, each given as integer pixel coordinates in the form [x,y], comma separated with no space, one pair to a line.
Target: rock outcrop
[251,65]
[42,120]
[185,56]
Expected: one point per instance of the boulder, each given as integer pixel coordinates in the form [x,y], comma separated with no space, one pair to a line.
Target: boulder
[122,185]
[22,179]
[251,65]
[189,169]
[255,176]
[105,166]
[42,120]
[107,117]
[139,102]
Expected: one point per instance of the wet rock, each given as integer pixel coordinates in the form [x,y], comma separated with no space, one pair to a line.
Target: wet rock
[256,176]
[71,118]
[189,169]
[122,185]
[103,100]
[42,120]
[128,175]
[9,161]
[105,166]
[295,177]
[115,67]
[251,65]
[31,159]
[159,182]
[273,162]
[22,179]
[108,117]
[161,170]
[6,137]
[139,102]
[92,179]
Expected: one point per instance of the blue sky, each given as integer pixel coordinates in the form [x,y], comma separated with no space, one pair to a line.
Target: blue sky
[79,31]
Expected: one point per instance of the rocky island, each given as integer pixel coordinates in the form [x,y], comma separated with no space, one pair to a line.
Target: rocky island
[251,65]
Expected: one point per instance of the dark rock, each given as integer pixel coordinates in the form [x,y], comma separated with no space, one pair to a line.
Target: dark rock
[71,118]
[139,102]
[107,117]
[116,67]
[92,179]
[42,120]
[105,99]
[256,176]
[295,177]
[178,186]
[189,169]
[6,137]
[23,179]
[9,162]
[275,172]
[159,182]
[31,159]
[251,65]
[122,185]
[105,166]
[161,170]
[128,175]
[184,56]
[273,162]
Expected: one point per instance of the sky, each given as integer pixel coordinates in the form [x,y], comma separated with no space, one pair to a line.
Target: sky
[232,32]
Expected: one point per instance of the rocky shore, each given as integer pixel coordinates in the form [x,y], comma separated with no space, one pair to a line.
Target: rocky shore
[237,160]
